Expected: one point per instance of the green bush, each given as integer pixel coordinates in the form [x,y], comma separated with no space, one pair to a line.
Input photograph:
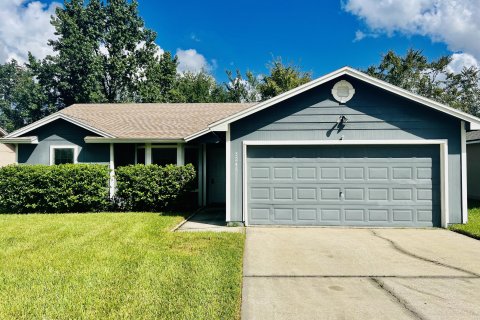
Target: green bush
[60,188]
[152,187]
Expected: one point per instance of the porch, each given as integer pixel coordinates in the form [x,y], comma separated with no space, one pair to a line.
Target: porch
[208,160]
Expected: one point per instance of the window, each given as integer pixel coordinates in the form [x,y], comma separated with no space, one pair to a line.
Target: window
[161,154]
[63,154]
[164,156]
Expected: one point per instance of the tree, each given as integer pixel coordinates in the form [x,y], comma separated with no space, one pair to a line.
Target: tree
[412,72]
[432,79]
[462,90]
[242,89]
[103,52]
[159,80]
[199,87]
[22,99]
[282,78]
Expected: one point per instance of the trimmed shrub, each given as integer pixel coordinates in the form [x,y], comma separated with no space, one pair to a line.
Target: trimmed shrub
[53,189]
[152,187]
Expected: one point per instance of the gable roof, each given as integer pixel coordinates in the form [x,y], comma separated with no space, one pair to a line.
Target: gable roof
[474,121]
[3,132]
[187,121]
[169,121]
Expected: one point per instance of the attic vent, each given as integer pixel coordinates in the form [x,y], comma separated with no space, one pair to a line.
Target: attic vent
[343,91]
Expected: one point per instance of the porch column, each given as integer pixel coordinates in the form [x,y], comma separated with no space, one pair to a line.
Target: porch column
[148,153]
[204,168]
[112,170]
[200,176]
[180,154]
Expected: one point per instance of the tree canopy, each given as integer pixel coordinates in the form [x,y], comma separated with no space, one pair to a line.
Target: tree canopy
[431,79]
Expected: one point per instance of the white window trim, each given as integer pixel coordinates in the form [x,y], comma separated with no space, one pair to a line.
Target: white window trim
[52,152]
[443,164]
[179,147]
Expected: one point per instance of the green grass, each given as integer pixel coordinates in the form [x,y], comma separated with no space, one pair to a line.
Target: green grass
[472,227]
[116,266]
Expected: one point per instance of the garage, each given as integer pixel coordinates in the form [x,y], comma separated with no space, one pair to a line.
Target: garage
[345,185]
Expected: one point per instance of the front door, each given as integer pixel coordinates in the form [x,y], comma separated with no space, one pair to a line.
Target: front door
[216,181]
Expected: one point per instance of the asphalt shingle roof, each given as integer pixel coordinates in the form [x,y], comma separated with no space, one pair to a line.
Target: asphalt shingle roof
[152,120]
[473,135]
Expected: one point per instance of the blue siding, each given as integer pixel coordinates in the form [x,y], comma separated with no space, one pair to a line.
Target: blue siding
[373,114]
[61,132]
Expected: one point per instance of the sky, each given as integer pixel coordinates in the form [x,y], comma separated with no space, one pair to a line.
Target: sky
[320,36]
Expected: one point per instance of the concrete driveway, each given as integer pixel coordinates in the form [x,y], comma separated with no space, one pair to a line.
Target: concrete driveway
[342,273]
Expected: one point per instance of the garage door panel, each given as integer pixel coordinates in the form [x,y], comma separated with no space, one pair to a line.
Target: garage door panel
[388,185]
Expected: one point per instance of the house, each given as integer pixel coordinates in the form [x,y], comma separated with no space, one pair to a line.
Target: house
[344,149]
[473,164]
[7,151]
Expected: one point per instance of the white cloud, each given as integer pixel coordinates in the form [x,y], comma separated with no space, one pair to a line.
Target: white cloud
[191,61]
[455,23]
[25,26]
[461,60]
[194,37]
[359,35]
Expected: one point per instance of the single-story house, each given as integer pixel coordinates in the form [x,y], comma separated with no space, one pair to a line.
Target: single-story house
[473,164]
[344,149]
[7,151]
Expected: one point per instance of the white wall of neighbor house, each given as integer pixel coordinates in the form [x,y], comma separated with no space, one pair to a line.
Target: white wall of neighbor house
[473,170]
[7,154]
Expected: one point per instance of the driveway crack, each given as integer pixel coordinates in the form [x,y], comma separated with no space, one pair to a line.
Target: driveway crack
[380,284]
[438,263]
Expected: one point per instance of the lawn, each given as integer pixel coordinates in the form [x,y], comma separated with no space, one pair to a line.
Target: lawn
[116,266]
[472,227]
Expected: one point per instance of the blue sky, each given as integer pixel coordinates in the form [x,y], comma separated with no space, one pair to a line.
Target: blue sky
[247,34]
[321,36]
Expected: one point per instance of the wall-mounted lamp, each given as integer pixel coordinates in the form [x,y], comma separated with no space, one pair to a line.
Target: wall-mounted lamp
[342,120]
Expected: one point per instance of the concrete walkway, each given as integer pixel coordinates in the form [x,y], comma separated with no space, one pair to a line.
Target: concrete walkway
[341,273]
[209,219]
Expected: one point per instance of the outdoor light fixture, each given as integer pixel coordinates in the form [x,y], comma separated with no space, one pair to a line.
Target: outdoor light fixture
[342,119]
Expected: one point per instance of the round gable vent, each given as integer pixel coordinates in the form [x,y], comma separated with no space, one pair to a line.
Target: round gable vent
[343,91]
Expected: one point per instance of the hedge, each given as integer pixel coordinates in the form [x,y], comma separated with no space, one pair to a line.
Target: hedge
[152,187]
[53,189]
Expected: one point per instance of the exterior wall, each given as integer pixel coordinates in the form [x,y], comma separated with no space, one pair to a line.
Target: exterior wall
[7,154]
[373,114]
[61,132]
[473,171]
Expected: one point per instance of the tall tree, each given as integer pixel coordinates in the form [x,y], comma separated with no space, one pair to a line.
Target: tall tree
[242,89]
[199,87]
[159,80]
[431,79]
[462,90]
[102,52]
[282,78]
[412,72]
[22,99]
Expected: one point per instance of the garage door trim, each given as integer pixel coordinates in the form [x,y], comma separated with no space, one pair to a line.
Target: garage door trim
[443,144]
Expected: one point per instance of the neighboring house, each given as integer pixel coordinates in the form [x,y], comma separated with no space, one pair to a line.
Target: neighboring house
[344,149]
[7,151]
[473,164]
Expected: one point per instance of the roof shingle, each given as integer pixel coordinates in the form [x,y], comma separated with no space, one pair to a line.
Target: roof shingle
[473,135]
[152,120]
